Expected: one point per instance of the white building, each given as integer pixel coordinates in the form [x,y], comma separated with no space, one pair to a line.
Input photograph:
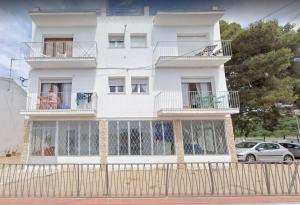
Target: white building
[128,89]
[13,99]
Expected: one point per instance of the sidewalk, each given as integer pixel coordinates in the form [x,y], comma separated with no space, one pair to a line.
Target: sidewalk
[131,201]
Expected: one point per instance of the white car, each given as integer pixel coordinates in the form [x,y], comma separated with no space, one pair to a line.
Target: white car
[263,151]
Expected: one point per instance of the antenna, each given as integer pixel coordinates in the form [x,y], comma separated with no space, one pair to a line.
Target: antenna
[10,73]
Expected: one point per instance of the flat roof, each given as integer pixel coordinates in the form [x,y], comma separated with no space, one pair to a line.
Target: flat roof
[187,18]
[64,17]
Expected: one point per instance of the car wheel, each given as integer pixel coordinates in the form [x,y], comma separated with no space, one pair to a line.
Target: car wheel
[288,158]
[250,158]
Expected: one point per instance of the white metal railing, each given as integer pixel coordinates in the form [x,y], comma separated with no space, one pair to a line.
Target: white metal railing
[60,49]
[194,100]
[62,101]
[167,49]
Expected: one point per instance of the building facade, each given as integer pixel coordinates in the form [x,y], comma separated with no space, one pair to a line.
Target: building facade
[128,89]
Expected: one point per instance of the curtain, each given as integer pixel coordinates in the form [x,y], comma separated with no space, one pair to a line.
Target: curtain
[185,94]
[199,87]
[134,88]
[66,95]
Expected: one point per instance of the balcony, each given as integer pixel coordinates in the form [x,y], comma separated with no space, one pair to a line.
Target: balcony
[193,103]
[68,54]
[191,53]
[61,104]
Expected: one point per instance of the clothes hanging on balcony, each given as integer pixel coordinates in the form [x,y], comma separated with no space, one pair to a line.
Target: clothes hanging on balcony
[83,100]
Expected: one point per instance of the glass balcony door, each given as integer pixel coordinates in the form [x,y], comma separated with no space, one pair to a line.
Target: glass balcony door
[58,47]
[55,96]
[197,95]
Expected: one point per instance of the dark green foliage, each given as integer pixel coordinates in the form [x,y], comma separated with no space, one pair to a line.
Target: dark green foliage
[264,72]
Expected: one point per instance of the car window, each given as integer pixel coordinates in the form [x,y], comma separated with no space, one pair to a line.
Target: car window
[245,145]
[294,146]
[270,146]
[284,145]
[288,146]
[262,145]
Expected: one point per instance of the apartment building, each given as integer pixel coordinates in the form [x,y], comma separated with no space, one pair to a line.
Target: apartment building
[145,88]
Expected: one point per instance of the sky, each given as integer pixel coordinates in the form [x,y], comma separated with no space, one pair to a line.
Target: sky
[15,23]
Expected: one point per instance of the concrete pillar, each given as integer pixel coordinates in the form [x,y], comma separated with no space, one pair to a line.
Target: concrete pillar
[103,129]
[230,139]
[25,144]
[179,141]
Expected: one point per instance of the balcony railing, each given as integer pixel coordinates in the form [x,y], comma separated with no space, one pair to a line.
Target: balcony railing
[191,49]
[60,49]
[194,100]
[61,101]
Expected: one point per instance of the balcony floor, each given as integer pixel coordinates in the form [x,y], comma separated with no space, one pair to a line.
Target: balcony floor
[195,112]
[191,61]
[74,62]
[58,113]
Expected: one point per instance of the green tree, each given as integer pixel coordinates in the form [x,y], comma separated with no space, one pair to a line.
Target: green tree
[230,31]
[261,70]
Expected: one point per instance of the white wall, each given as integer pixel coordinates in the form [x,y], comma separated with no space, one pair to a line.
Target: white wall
[12,101]
[126,62]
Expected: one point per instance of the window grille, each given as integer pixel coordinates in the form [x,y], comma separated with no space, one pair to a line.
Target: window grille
[73,138]
[204,137]
[140,138]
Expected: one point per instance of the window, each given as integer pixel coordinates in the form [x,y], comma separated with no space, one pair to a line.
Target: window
[140,138]
[58,47]
[55,95]
[116,40]
[116,85]
[78,138]
[198,95]
[289,146]
[270,146]
[43,138]
[245,145]
[204,137]
[74,138]
[140,85]
[261,146]
[138,40]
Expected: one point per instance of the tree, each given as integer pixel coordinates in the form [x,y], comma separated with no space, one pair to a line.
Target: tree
[261,70]
[230,31]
